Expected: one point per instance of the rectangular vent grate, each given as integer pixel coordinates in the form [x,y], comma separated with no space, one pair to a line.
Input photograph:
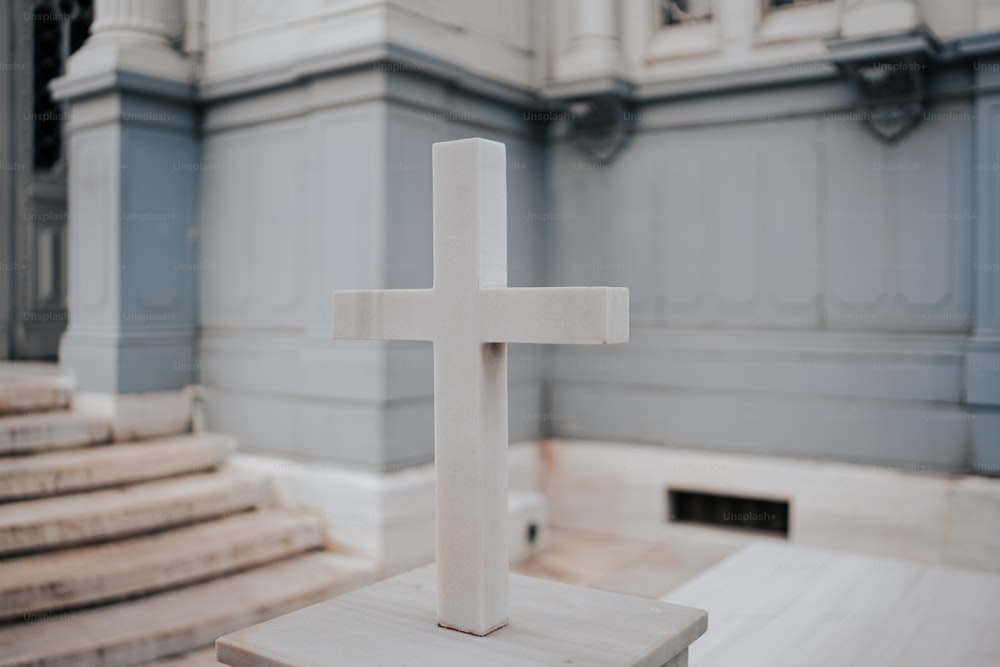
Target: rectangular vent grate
[757,514]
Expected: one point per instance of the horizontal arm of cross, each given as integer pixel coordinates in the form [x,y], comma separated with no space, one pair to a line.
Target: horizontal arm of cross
[563,315]
[391,314]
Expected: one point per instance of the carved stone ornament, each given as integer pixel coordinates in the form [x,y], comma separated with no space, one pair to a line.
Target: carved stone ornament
[598,126]
[891,96]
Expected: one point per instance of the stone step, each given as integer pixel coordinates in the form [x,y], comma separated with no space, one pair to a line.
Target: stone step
[64,521]
[19,395]
[96,467]
[201,658]
[30,434]
[85,576]
[171,623]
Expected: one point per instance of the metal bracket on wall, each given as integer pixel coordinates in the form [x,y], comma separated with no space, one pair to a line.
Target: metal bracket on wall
[888,75]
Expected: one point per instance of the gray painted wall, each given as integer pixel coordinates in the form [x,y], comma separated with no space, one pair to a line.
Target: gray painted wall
[327,186]
[6,173]
[798,285]
[133,240]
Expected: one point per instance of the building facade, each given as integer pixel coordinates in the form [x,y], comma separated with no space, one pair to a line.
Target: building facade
[801,196]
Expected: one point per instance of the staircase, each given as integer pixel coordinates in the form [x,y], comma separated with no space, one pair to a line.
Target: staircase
[130,553]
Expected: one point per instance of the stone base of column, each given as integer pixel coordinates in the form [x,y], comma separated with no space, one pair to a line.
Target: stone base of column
[141,415]
[394,623]
[388,518]
[147,57]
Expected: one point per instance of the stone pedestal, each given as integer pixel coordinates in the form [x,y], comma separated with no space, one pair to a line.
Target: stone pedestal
[393,623]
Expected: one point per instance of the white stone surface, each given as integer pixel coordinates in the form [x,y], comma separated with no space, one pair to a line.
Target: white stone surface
[621,489]
[595,42]
[389,517]
[470,315]
[987,14]
[528,43]
[869,18]
[498,39]
[392,623]
[140,415]
[777,604]
[133,35]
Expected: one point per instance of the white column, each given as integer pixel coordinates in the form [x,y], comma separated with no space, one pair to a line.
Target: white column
[595,44]
[868,18]
[134,35]
[142,20]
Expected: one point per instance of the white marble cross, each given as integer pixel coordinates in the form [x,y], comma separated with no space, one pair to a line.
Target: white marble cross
[470,315]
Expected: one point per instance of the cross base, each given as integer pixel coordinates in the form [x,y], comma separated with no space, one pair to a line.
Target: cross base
[393,622]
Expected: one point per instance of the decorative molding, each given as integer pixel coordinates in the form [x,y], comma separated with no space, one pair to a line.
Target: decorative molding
[981,43]
[386,57]
[120,80]
[598,127]
[691,34]
[888,75]
[891,96]
[685,12]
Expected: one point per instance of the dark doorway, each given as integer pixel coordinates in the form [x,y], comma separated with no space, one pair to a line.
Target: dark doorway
[39,35]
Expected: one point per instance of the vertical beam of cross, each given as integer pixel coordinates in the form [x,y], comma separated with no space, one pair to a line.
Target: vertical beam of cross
[470,315]
[470,387]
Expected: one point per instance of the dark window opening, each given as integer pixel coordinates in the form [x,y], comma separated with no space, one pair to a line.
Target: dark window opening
[58,31]
[683,12]
[778,4]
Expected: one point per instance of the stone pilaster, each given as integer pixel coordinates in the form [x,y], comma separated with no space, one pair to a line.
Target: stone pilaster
[982,361]
[133,169]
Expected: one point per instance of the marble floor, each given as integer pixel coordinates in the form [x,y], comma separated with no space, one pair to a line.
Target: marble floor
[631,566]
[772,602]
[785,604]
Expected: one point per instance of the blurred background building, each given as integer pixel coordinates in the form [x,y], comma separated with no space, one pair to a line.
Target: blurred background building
[801,196]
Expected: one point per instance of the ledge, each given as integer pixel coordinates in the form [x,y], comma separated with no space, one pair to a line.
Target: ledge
[921,43]
[986,42]
[395,57]
[387,57]
[393,623]
[77,87]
